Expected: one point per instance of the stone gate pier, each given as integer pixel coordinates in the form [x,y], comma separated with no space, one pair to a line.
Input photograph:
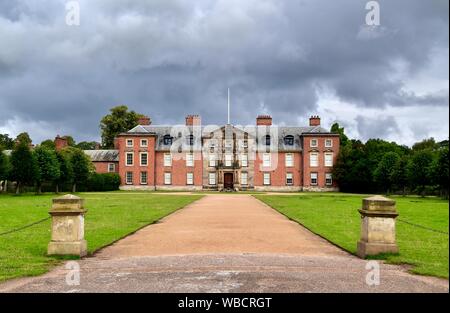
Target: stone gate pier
[377,227]
[67,226]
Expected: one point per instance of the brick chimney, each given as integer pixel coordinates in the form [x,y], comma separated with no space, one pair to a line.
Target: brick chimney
[314,120]
[144,120]
[60,143]
[193,120]
[264,120]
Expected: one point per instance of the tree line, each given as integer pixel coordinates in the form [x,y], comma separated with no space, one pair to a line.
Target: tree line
[387,167]
[43,165]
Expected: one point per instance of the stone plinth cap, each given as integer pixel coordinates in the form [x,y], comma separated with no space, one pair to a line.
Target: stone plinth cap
[379,205]
[69,204]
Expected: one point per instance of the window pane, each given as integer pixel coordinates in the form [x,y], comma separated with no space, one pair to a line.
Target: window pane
[266,179]
[144,159]
[314,159]
[289,179]
[129,158]
[167,178]
[190,178]
[243,178]
[129,177]
[313,178]
[328,159]
[244,160]
[289,160]
[328,179]
[212,178]
[143,178]
[212,160]
[189,159]
[167,159]
[266,159]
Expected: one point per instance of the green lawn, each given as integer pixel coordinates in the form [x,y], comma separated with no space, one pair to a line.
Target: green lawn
[110,217]
[335,217]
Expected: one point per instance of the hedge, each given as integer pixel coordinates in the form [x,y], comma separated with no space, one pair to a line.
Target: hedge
[103,182]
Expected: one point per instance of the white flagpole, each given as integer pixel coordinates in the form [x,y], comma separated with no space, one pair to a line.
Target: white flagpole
[228,105]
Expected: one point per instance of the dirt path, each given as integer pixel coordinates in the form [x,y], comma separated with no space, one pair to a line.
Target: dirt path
[222,224]
[225,243]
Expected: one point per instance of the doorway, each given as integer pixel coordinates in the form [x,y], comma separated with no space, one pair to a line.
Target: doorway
[228,180]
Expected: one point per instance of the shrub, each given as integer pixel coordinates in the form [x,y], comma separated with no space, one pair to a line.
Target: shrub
[103,182]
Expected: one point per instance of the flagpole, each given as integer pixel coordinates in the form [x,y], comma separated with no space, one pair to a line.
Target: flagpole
[228,105]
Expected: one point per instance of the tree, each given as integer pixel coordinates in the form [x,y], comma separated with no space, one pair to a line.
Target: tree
[4,167]
[6,142]
[384,170]
[65,171]
[426,144]
[80,165]
[419,170]
[87,145]
[441,171]
[24,169]
[118,121]
[49,144]
[350,170]
[48,167]
[70,140]
[23,138]
[399,175]
[336,129]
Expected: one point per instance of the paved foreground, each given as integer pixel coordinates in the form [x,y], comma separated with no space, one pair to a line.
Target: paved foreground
[225,243]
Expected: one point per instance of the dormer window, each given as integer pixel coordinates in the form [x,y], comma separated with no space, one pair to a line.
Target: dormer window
[289,140]
[267,140]
[167,140]
[190,140]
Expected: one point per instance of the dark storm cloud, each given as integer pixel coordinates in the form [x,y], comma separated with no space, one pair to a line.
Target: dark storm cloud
[379,127]
[172,58]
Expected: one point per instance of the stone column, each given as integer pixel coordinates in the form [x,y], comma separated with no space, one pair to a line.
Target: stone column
[377,227]
[67,226]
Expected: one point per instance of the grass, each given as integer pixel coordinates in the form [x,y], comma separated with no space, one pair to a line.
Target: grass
[335,217]
[110,217]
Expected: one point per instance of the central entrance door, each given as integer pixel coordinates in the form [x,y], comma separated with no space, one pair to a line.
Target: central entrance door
[228,180]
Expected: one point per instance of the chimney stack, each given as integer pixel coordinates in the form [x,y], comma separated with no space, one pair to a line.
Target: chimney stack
[264,120]
[60,143]
[193,120]
[144,120]
[314,120]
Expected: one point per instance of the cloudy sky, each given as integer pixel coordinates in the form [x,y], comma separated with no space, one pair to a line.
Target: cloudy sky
[169,58]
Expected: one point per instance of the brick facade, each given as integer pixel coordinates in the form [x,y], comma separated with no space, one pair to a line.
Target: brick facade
[260,157]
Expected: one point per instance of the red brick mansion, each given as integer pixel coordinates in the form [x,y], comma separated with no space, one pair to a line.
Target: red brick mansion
[196,157]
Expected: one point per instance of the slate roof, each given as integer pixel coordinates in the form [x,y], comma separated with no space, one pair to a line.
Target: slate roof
[103,155]
[182,131]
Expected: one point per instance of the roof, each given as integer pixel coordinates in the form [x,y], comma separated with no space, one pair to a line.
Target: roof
[103,155]
[179,131]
